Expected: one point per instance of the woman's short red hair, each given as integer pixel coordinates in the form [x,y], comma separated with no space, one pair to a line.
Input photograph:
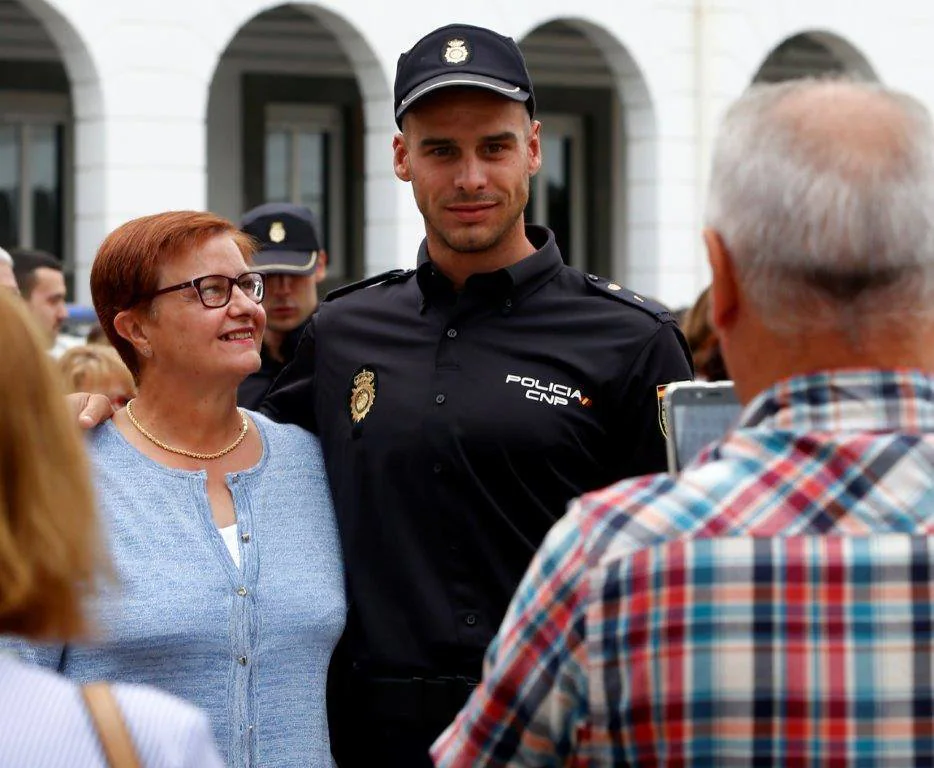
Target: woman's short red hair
[129,262]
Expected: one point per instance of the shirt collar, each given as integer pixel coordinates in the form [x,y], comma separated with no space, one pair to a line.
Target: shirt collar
[857,400]
[510,284]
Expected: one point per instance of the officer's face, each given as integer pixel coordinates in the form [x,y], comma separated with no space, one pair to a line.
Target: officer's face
[469,155]
[289,300]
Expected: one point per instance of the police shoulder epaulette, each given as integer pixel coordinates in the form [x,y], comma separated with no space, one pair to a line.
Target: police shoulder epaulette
[383,277]
[616,291]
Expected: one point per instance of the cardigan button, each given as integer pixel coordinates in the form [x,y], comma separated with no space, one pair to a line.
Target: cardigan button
[241,591]
[242,661]
[245,537]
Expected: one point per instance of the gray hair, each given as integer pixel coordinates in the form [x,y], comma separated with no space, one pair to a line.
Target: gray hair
[823,193]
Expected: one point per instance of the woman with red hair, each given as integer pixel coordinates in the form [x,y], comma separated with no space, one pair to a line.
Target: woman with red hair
[220,521]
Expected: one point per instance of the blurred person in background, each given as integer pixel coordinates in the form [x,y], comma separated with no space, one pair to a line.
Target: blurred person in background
[702,339]
[96,335]
[97,368]
[42,284]
[291,257]
[7,276]
[50,559]
[220,521]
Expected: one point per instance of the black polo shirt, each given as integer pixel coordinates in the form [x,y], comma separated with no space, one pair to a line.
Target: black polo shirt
[457,425]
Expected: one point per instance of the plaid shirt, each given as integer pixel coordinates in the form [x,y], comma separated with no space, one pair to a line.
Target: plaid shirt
[773,605]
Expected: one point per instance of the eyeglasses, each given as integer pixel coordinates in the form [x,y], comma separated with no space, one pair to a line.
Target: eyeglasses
[215,290]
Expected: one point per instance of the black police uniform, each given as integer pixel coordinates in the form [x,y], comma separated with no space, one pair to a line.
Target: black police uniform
[455,427]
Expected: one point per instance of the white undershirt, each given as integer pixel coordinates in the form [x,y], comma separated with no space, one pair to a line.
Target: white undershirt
[229,535]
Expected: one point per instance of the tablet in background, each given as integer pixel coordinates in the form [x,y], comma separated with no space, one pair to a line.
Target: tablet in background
[695,414]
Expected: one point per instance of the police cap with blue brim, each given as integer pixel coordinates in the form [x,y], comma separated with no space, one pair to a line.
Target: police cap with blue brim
[287,236]
[461,55]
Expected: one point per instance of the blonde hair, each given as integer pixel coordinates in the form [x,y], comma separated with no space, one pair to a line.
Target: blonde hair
[50,550]
[84,367]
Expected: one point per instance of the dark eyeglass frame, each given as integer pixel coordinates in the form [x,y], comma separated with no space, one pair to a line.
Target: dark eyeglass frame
[231,282]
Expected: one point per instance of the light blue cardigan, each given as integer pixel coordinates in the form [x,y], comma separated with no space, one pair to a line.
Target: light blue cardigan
[250,646]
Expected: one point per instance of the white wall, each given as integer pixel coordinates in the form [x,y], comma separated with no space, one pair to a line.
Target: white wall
[142,73]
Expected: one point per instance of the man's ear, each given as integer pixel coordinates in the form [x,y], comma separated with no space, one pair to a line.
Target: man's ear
[535,147]
[400,158]
[724,288]
[321,266]
[128,326]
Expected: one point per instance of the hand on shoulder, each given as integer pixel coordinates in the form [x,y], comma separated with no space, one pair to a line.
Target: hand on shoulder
[89,410]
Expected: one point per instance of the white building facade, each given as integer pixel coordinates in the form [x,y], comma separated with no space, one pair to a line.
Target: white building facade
[111,110]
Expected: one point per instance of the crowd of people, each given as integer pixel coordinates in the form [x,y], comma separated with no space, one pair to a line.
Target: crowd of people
[427,519]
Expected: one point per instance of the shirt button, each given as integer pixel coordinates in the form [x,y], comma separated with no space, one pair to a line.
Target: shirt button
[439,399]
[452,333]
[241,591]
[244,537]
[242,660]
[470,619]
[234,479]
[437,469]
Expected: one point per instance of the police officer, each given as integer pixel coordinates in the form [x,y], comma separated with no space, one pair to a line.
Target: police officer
[462,403]
[291,257]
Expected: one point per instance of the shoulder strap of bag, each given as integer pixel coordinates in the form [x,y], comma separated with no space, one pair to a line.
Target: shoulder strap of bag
[111,729]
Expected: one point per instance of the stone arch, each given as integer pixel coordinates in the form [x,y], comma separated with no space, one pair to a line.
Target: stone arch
[633,166]
[350,81]
[814,52]
[83,188]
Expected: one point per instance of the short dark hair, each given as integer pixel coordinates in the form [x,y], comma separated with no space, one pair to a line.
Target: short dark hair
[25,264]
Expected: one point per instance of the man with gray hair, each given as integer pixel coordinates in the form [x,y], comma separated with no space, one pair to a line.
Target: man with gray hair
[773,604]
[7,277]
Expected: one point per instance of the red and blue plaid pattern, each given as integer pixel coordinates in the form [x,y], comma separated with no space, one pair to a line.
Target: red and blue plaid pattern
[774,605]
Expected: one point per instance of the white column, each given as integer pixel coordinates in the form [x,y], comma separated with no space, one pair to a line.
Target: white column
[144,153]
[394,226]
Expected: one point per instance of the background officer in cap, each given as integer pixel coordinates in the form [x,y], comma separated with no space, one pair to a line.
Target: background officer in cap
[461,404]
[291,257]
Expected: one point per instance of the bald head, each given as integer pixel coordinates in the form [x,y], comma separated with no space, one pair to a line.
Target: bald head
[857,131]
[823,194]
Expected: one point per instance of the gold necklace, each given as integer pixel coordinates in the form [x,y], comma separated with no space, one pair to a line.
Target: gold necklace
[181,451]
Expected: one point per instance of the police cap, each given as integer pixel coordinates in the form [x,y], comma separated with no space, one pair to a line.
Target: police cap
[466,56]
[287,236]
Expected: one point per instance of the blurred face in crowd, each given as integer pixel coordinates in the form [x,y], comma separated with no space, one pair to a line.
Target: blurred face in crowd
[290,299]
[469,155]
[47,301]
[8,279]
